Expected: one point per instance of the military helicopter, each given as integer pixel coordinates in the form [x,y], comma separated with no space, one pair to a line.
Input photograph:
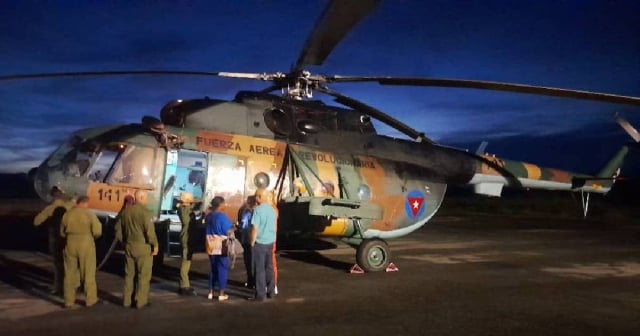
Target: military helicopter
[333,174]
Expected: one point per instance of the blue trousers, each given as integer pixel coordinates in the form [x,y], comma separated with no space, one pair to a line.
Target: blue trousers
[219,272]
[263,270]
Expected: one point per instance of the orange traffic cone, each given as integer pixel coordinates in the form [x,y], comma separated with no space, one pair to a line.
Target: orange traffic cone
[356,269]
[392,268]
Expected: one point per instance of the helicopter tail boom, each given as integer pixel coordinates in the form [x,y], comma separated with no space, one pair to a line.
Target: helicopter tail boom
[493,173]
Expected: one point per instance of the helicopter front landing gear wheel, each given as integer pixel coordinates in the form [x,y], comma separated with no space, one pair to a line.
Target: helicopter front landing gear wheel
[373,255]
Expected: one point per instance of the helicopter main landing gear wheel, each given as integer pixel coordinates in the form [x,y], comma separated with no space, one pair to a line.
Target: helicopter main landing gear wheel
[373,255]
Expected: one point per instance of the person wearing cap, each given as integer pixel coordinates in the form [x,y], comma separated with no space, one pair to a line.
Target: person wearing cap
[189,223]
[136,232]
[80,227]
[50,217]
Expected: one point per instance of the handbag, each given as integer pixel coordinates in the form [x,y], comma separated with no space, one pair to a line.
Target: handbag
[214,244]
[232,248]
[228,247]
[223,245]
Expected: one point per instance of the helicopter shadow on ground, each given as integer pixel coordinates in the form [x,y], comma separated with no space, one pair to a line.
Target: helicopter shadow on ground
[306,250]
[28,278]
[36,281]
[17,233]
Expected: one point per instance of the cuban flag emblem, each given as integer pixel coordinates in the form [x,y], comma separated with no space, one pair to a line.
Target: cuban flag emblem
[414,204]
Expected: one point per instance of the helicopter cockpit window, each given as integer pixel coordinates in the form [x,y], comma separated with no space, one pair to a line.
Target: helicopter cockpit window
[73,158]
[137,166]
[64,152]
[104,161]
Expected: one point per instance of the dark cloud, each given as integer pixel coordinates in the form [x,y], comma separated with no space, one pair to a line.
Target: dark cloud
[24,148]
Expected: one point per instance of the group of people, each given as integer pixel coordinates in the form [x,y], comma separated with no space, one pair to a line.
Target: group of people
[255,230]
[73,228]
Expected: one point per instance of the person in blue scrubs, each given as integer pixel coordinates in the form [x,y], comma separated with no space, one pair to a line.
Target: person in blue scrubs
[217,223]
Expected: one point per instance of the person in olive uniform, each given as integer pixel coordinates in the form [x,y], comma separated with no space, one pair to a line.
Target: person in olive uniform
[50,217]
[136,232]
[189,224]
[80,227]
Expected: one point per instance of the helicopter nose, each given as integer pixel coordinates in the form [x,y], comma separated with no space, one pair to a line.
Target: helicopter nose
[41,183]
[32,173]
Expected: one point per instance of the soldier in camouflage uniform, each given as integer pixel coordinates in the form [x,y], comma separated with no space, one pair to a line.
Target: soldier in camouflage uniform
[50,217]
[136,232]
[80,227]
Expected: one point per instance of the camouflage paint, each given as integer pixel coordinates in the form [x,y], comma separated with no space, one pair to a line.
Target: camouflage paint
[388,189]
[496,170]
[406,179]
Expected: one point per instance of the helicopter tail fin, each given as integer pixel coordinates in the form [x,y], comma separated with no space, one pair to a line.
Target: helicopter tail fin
[612,168]
[605,178]
[608,175]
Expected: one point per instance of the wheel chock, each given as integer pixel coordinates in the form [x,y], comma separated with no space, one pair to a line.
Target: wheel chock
[392,268]
[356,269]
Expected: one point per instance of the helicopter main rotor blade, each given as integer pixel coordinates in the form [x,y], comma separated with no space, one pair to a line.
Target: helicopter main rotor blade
[495,86]
[109,73]
[377,114]
[338,18]
[412,133]
[628,128]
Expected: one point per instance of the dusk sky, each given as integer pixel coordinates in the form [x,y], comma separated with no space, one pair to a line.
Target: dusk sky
[580,44]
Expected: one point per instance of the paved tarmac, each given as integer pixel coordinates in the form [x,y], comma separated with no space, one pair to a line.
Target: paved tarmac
[481,275]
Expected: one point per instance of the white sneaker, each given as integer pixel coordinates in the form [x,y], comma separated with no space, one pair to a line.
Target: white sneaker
[275,290]
[223,297]
[210,296]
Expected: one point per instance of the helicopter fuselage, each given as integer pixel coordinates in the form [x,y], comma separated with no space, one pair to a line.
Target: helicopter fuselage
[334,176]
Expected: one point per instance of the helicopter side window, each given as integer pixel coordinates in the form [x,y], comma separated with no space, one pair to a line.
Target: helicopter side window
[137,166]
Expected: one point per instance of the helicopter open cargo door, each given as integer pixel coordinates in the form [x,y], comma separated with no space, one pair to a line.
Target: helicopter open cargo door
[186,171]
[226,178]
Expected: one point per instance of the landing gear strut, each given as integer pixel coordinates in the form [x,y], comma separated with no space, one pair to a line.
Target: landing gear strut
[373,255]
